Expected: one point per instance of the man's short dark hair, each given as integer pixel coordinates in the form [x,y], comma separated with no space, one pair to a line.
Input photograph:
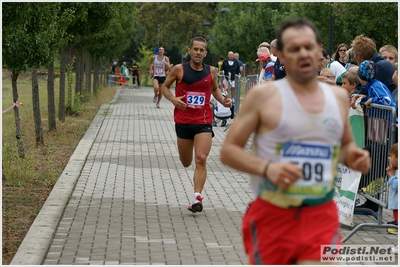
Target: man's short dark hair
[325,53]
[295,23]
[199,39]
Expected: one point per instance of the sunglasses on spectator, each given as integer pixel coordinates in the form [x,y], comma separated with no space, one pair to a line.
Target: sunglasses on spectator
[329,77]
[343,50]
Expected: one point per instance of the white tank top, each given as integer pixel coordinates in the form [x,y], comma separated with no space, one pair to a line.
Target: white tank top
[159,67]
[312,141]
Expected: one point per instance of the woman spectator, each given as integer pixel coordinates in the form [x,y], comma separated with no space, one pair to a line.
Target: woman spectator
[340,54]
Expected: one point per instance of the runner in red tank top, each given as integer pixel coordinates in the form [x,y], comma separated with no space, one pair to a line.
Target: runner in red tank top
[195,82]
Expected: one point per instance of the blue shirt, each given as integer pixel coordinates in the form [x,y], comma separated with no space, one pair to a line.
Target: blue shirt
[379,93]
[393,192]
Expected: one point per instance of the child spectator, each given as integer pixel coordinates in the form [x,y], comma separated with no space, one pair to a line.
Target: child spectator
[350,80]
[377,92]
[327,75]
[393,186]
[389,52]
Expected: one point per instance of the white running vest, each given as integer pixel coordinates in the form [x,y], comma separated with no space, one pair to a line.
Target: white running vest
[159,67]
[311,141]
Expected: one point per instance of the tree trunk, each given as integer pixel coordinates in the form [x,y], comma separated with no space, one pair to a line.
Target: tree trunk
[101,73]
[88,74]
[70,74]
[61,97]
[18,132]
[82,69]
[51,108]
[79,71]
[95,74]
[36,108]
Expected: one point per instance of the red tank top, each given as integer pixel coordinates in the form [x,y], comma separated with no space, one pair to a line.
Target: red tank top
[196,86]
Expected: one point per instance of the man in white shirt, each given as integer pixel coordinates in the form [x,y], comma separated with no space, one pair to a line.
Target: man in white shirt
[325,61]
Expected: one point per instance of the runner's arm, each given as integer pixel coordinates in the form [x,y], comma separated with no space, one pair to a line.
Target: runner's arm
[168,64]
[174,76]
[247,122]
[151,67]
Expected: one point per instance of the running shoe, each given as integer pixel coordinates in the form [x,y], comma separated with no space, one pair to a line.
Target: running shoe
[392,231]
[197,205]
[154,99]
[158,105]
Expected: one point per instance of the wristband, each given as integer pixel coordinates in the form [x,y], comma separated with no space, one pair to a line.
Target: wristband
[266,169]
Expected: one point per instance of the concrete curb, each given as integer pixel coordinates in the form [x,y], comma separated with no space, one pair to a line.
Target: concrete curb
[36,243]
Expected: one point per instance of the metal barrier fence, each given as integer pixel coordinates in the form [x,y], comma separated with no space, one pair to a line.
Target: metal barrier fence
[380,134]
[251,80]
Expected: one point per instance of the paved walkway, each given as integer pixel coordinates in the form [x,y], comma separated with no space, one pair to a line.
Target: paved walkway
[123,197]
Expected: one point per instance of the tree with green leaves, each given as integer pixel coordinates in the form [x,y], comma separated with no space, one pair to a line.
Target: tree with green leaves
[14,57]
[28,35]
[174,24]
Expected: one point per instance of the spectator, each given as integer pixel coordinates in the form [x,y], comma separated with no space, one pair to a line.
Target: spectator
[340,54]
[113,67]
[124,75]
[350,59]
[327,75]
[365,49]
[220,111]
[236,56]
[230,66]
[135,73]
[392,173]
[350,80]
[389,52]
[267,67]
[325,61]
[377,92]
[263,48]
[221,59]
[279,69]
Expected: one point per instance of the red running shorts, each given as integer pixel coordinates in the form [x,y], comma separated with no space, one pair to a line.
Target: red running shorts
[274,235]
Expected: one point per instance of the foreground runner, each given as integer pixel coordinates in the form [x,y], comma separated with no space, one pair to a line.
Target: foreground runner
[195,82]
[301,131]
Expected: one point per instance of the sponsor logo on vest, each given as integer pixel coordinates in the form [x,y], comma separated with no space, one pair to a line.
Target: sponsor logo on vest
[307,151]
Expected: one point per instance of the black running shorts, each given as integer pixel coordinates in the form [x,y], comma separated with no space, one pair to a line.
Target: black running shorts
[159,79]
[188,131]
